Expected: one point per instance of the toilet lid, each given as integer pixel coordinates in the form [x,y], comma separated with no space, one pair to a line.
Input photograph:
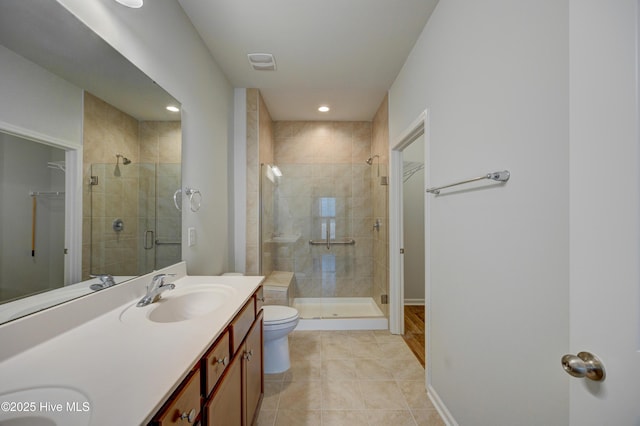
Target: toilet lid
[277,314]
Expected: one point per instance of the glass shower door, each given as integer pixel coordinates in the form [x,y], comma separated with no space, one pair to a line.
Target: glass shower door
[168,219]
[135,228]
[315,222]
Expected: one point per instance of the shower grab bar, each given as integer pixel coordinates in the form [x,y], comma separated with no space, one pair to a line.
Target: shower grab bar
[162,243]
[346,241]
[502,176]
[328,235]
[46,193]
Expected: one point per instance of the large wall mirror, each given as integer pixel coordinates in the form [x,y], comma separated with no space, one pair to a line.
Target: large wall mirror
[128,166]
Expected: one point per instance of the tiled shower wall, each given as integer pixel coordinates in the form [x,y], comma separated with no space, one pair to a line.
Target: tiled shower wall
[325,182]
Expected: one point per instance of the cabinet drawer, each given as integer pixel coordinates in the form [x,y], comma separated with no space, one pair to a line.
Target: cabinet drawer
[259,299]
[216,361]
[181,404]
[241,324]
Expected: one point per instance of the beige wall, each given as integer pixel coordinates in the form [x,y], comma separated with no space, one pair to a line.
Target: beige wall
[259,151]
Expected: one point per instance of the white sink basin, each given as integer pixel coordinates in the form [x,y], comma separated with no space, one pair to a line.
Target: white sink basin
[181,304]
[45,406]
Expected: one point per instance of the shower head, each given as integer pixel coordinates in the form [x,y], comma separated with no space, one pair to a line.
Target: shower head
[370,160]
[125,160]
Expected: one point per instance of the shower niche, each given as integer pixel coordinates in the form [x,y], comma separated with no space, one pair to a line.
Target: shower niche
[135,226]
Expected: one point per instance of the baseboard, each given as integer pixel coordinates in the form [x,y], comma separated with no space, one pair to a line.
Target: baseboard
[380,323]
[414,302]
[445,414]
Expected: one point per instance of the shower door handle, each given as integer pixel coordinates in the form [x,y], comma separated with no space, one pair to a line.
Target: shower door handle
[175,199]
[148,242]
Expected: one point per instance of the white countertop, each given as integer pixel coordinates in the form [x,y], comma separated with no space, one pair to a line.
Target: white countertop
[35,302]
[126,370]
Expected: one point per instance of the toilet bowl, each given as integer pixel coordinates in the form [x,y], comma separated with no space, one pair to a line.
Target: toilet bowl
[279,321]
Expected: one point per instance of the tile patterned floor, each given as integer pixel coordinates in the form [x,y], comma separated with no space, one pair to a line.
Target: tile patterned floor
[353,378]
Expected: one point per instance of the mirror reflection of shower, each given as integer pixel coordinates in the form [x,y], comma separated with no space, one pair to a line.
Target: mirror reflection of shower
[370,162]
[125,161]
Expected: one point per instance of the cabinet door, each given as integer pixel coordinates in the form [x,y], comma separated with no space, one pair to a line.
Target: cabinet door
[184,406]
[225,406]
[252,371]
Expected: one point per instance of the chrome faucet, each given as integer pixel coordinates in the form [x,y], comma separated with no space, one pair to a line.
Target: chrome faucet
[106,281]
[155,288]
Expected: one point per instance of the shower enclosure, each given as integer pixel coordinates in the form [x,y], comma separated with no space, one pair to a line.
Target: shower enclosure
[317,221]
[135,227]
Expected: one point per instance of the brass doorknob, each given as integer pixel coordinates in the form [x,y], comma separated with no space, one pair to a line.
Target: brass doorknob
[585,364]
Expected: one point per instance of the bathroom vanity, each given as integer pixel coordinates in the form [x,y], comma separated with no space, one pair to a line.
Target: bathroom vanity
[225,387]
[193,357]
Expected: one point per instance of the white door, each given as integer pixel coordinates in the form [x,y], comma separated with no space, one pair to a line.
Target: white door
[605,209]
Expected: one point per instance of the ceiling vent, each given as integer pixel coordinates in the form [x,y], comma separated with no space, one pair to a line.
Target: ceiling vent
[262,61]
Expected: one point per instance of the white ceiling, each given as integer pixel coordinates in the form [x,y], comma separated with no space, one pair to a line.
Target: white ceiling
[343,53]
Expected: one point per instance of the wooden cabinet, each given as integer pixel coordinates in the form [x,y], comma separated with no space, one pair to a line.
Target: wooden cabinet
[259,299]
[237,398]
[215,362]
[224,408]
[242,323]
[184,406]
[227,385]
[252,377]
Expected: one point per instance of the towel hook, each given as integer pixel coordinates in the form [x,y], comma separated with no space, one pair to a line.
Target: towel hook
[194,202]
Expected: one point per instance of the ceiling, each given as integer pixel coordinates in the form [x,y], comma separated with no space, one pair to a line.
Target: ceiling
[342,53]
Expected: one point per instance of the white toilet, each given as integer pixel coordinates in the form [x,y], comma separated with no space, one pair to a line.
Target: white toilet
[279,321]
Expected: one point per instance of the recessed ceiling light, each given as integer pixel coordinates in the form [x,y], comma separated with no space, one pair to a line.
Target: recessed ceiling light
[173,108]
[324,108]
[131,3]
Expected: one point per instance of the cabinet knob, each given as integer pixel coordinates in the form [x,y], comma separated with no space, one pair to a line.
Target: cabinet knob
[248,354]
[261,299]
[190,416]
[223,361]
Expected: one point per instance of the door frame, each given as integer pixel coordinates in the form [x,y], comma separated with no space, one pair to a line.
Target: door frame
[418,128]
[72,199]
